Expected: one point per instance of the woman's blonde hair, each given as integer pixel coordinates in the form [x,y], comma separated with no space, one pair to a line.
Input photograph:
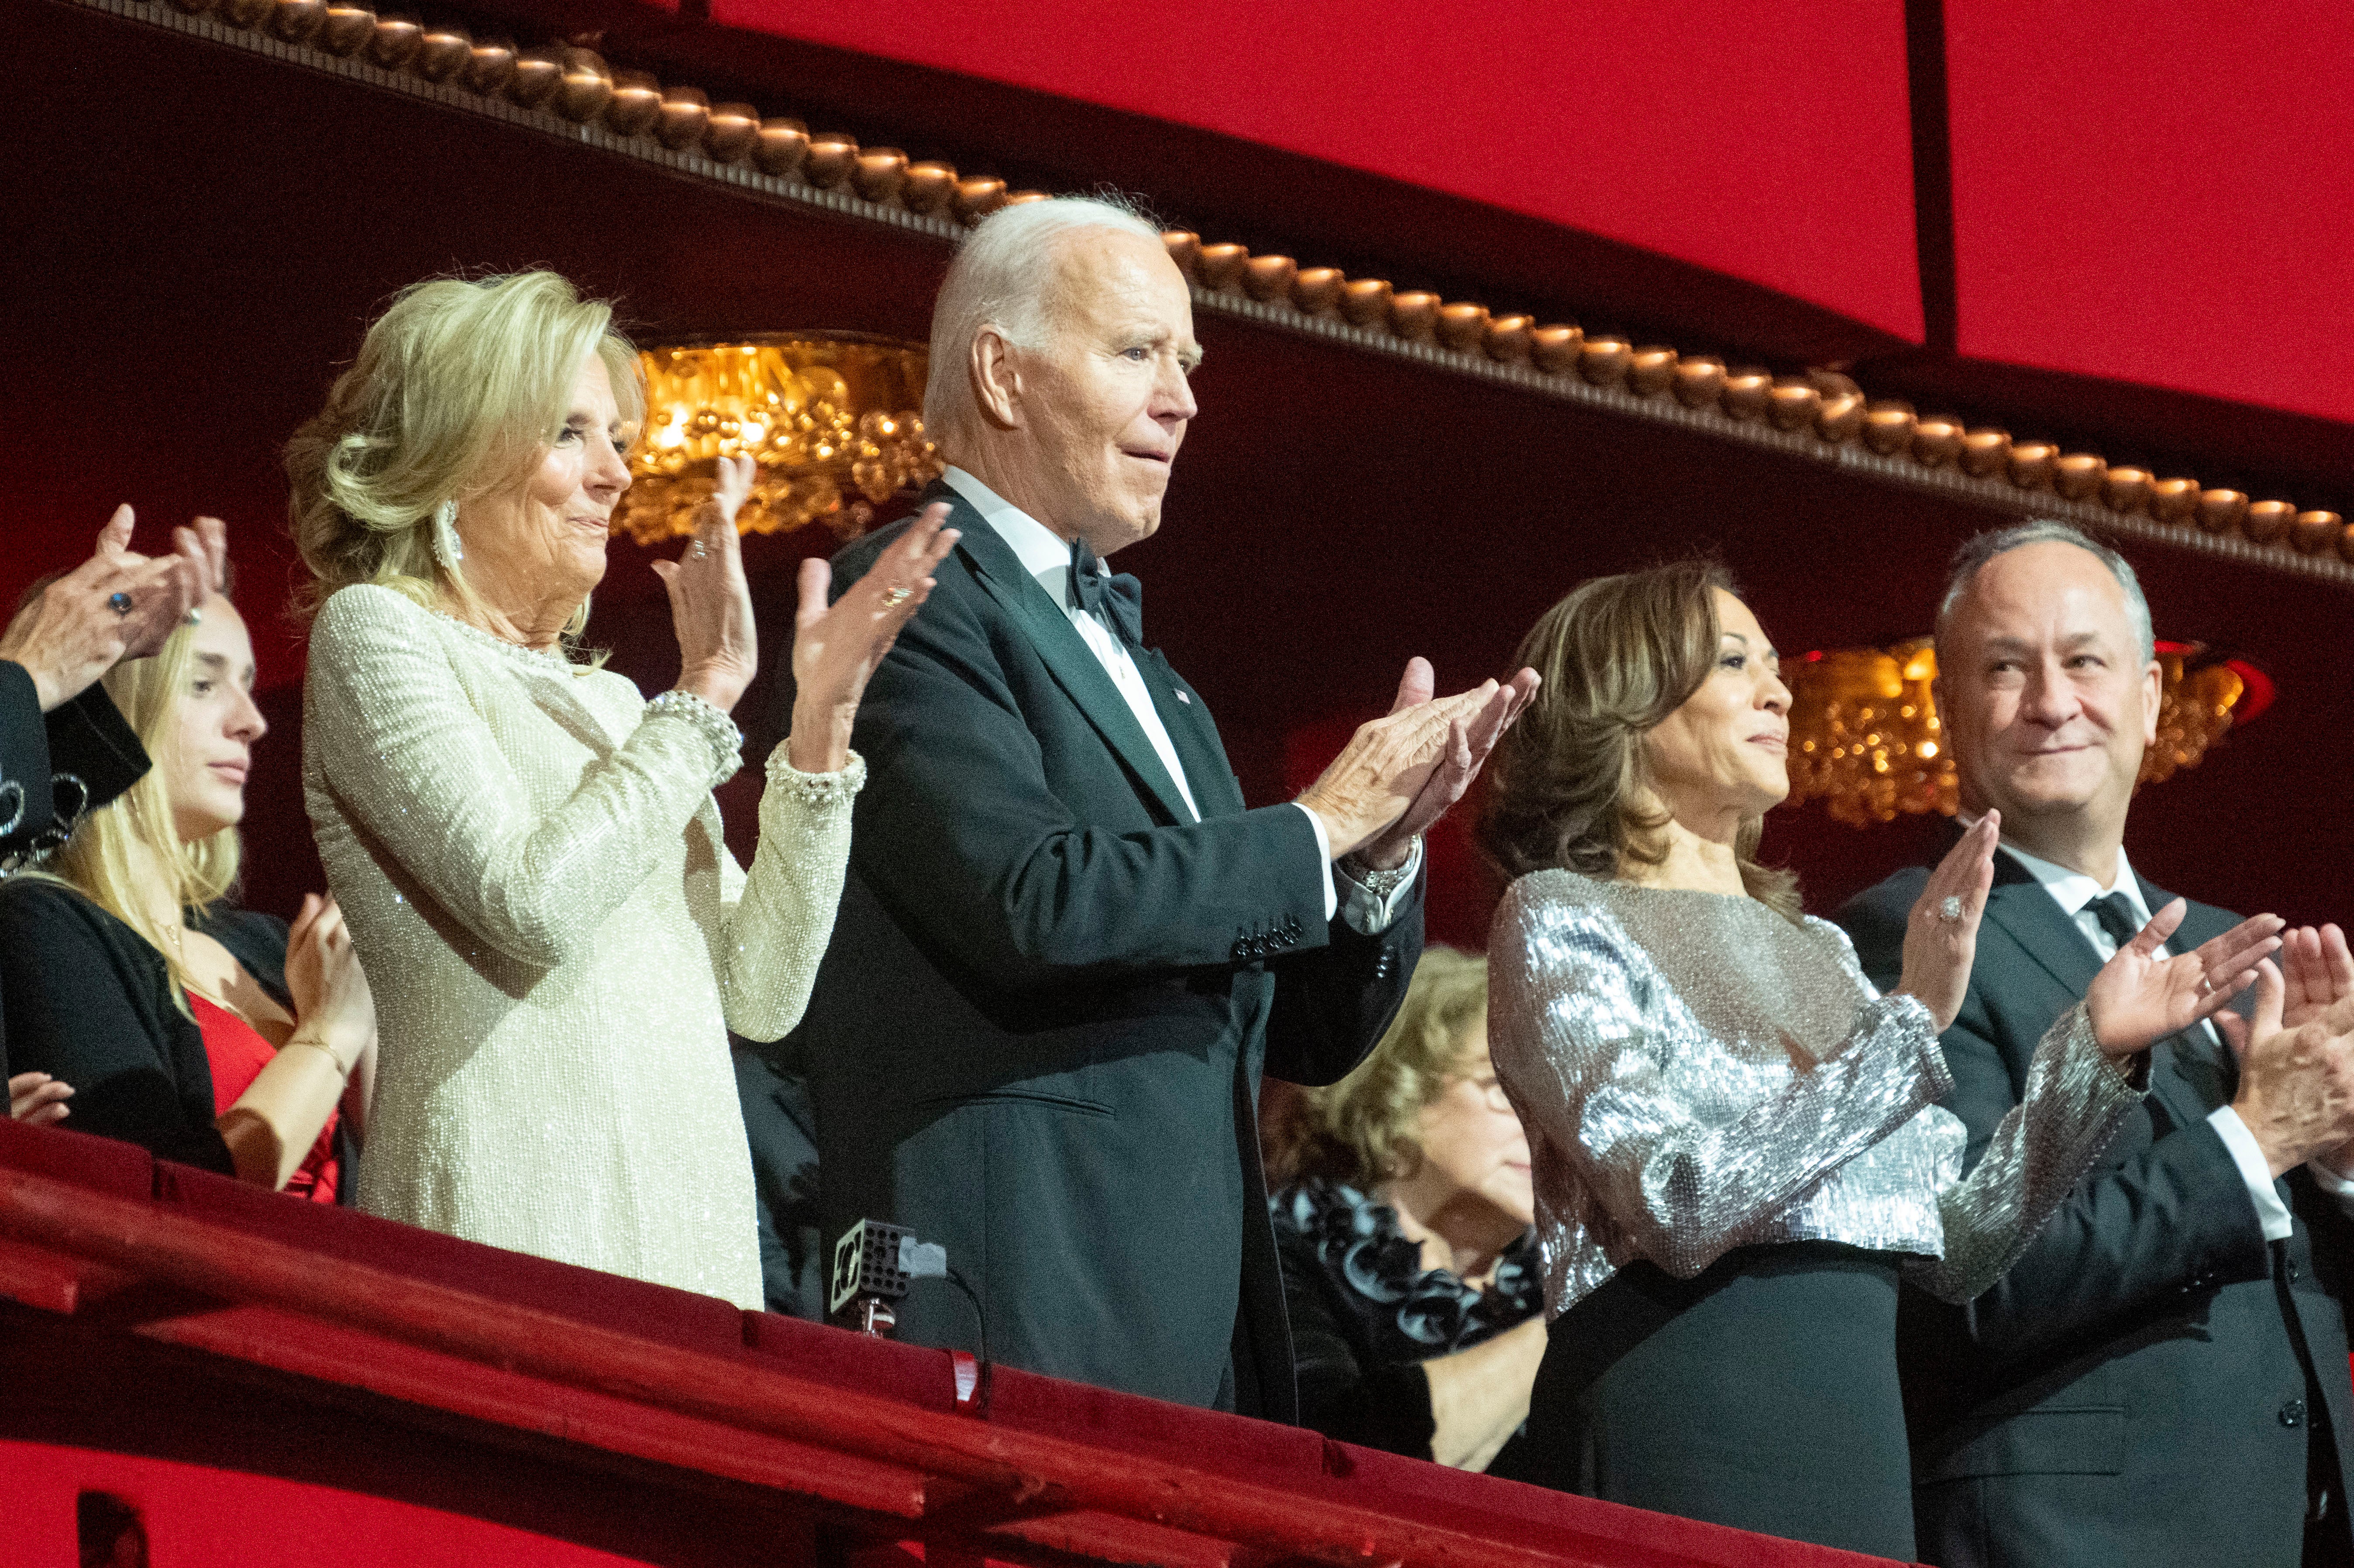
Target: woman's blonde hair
[99,860]
[1569,779]
[1361,1129]
[458,388]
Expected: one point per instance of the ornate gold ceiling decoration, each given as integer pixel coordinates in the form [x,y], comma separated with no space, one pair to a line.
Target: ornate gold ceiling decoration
[1865,738]
[1820,415]
[830,419]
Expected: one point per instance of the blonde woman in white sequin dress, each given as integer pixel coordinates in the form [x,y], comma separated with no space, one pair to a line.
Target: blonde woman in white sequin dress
[527,851]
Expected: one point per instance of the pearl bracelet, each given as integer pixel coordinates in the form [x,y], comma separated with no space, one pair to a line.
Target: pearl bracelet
[727,741]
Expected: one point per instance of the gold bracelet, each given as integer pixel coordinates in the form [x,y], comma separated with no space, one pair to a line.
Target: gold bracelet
[341,1071]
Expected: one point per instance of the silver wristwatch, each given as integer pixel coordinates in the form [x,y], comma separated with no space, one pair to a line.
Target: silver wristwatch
[1380,883]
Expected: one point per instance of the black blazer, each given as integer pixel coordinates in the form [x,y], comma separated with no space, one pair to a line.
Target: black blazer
[60,764]
[2143,1385]
[90,1002]
[53,767]
[1038,1035]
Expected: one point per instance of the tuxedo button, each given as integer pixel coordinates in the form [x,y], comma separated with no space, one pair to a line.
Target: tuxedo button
[2293,1413]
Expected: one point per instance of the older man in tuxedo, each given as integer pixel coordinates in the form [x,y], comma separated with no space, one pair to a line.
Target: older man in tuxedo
[2162,1376]
[1066,949]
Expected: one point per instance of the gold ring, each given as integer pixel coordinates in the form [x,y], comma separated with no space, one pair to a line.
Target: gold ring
[893,599]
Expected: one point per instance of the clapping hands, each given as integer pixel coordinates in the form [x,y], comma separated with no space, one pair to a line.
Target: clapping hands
[2139,998]
[2296,1053]
[117,605]
[710,601]
[836,648]
[1400,773]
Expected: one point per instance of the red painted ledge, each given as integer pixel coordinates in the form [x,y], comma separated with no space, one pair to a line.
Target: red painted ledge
[111,1257]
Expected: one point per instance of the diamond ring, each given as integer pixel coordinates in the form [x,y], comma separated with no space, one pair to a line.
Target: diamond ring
[1949,908]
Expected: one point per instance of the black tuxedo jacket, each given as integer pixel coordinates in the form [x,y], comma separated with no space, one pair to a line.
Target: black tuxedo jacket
[2144,1385]
[1037,1034]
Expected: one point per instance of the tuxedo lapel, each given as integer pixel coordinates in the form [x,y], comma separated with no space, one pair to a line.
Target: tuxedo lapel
[1195,737]
[2189,1070]
[2025,911]
[1066,657]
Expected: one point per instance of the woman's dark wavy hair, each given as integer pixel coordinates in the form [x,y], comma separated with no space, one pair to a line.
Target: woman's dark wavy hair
[1567,782]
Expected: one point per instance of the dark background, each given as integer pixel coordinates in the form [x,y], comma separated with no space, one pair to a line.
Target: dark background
[197,237]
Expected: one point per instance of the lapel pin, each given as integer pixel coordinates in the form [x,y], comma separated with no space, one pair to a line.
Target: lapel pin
[1184,698]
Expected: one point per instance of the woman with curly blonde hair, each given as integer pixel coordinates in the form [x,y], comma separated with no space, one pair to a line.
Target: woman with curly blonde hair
[1416,1302]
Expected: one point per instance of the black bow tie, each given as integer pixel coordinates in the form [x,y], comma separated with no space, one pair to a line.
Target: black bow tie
[1119,599]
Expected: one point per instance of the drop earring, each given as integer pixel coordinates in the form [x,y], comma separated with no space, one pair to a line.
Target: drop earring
[447,550]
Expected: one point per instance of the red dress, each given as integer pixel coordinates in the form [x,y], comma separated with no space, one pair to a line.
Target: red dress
[236,1056]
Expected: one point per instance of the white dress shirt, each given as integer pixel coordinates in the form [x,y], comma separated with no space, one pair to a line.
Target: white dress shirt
[1048,557]
[2074,892]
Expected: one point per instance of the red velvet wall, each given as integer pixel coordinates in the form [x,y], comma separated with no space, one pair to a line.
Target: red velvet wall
[199,235]
[1768,140]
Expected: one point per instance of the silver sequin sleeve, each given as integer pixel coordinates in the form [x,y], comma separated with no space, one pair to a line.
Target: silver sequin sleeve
[1678,1148]
[1697,1074]
[2075,1101]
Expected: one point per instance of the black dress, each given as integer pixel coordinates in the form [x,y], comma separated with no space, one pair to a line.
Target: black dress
[90,1002]
[1365,1314]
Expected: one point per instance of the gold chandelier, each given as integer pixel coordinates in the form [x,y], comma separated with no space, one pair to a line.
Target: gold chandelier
[1865,737]
[829,417]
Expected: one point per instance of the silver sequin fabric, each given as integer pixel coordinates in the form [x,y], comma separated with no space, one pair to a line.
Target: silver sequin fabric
[532,866]
[1697,1074]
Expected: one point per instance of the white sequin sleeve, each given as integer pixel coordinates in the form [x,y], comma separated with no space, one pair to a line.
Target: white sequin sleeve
[779,918]
[413,766]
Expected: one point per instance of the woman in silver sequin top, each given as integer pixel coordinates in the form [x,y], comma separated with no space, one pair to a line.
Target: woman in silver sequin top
[528,852]
[1736,1148]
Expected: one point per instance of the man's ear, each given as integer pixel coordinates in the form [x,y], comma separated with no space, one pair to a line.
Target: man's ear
[996,378]
[2153,695]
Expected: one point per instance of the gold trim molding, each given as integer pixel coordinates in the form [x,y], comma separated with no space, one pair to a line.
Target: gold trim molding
[1821,417]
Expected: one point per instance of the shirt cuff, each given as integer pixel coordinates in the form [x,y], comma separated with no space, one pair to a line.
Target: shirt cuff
[2254,1171]
[2339,1188]
[1370,916]
[1323,859]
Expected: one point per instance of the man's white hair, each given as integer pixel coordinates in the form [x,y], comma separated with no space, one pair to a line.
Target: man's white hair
[1004,277]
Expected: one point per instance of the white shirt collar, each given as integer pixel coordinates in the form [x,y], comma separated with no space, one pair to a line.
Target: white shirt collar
[2072,889]
[1043,552]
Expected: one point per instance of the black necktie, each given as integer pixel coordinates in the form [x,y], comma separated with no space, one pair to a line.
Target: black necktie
[1120,601]
[2115,913]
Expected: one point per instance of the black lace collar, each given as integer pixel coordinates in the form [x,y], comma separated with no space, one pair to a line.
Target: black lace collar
[1409,1312]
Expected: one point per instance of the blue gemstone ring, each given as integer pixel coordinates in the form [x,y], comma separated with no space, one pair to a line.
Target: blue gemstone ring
[120,603]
